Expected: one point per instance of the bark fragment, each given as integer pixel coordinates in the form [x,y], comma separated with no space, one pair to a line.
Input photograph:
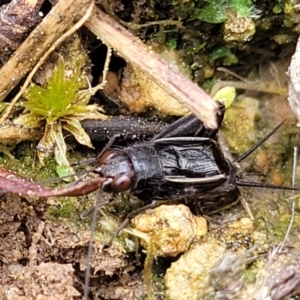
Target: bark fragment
[16,20]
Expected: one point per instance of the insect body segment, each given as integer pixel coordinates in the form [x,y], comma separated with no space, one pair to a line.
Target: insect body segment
[196,171]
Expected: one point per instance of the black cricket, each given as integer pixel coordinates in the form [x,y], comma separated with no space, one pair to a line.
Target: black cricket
[184,162]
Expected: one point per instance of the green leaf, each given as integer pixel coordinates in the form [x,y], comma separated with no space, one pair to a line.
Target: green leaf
[224,52]
[65,172]
[226,95]
[172,43]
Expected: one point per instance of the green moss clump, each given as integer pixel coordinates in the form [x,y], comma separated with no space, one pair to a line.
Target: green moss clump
[65,210]
[56,100]
[216,11]
[59,106]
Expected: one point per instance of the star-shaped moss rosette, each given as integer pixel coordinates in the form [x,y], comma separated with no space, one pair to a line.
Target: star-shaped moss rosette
[60,106]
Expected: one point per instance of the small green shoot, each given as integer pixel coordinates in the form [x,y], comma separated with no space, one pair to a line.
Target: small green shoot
[56,100]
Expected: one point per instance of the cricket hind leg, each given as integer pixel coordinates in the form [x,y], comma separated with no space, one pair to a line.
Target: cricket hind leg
[209,215]
[217,202]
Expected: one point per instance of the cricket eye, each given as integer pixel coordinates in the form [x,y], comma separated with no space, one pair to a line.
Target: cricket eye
[121,183]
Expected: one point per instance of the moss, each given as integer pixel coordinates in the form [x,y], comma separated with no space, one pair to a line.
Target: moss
[54,101]
[65,210]
[240,118]
[217,11]
[22,160]
[59,100]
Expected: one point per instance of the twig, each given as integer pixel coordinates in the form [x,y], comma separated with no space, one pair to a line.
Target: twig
[266,87]
[293,208]
[142,56]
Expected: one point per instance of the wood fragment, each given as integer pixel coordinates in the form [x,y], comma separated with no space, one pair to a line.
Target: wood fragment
[12,133]
[294,83]
[133,50]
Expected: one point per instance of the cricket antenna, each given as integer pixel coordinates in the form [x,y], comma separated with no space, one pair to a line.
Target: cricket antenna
[248,152]
[259,184]
[265,185]
[90,247]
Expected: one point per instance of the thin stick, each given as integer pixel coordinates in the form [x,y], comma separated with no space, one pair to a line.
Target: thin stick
[266,87]
[133,50]
[104,73]
[71,31]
